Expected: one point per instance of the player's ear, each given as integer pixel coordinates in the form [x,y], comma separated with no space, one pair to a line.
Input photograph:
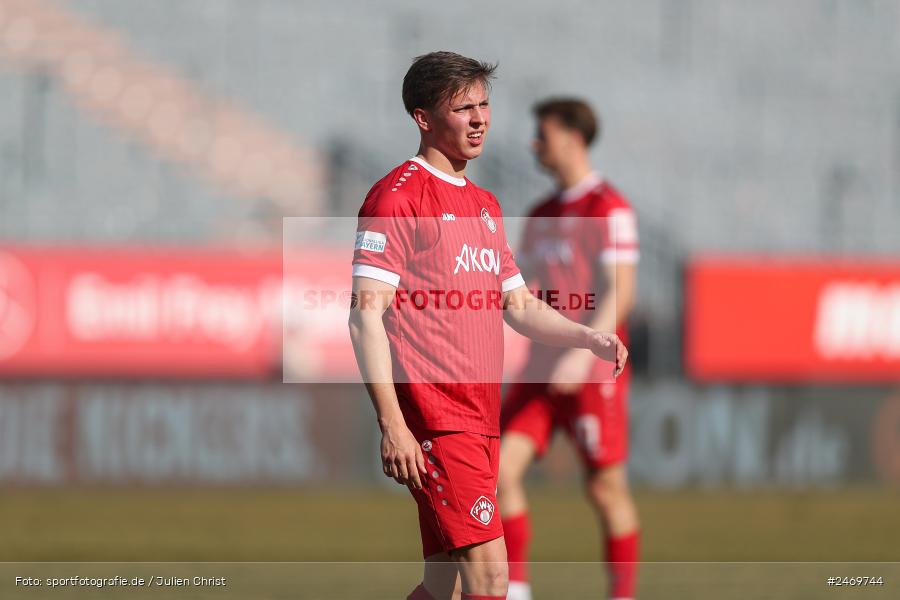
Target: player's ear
[422,119]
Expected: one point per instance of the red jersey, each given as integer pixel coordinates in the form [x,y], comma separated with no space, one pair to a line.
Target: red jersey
[568,239]
[440,241]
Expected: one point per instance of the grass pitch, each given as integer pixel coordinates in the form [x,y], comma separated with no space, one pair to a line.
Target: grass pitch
[343,539]
[356,524]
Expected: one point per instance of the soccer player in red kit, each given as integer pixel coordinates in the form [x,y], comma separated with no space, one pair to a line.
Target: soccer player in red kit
[582,239]
[433,281]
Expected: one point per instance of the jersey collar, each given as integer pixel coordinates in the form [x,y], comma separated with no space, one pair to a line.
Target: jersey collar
[577,191]
[458,181]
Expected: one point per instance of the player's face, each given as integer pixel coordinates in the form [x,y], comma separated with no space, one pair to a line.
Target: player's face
[461,123]
[554,143]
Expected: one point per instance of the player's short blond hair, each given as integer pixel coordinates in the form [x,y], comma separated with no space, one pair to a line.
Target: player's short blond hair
[438,76]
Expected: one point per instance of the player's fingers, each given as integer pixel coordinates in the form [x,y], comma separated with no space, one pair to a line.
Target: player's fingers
[395,470]
[420,461]
[402,473]
[414,480]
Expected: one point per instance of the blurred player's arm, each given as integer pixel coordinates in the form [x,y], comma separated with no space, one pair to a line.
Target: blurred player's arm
[534,318]
[401,456]
[613,308]
[616,303]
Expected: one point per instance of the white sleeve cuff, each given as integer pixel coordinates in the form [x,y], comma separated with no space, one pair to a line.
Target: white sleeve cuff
[612,256]
[375,273]
[512,283]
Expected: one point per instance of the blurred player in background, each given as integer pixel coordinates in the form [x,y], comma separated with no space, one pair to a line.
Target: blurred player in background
[582,239]
[434,374]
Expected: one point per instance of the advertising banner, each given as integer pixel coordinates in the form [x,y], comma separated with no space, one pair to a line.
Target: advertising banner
[792,320]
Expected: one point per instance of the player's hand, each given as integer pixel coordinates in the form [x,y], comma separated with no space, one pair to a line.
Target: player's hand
[401,456]
[609,347]
[570,372]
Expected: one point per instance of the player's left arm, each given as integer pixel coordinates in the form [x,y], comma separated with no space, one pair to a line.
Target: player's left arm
[535,319]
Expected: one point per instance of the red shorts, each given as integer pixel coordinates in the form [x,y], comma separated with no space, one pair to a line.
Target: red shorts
[458,502]
[595,419]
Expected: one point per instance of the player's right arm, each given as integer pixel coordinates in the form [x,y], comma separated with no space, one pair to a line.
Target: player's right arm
[384,241]
[401,457]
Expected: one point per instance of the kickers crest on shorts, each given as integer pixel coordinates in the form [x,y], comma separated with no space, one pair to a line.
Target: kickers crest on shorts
[483,510]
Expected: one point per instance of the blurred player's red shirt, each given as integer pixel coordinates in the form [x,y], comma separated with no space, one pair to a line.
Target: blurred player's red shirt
[440,241]
[568,239]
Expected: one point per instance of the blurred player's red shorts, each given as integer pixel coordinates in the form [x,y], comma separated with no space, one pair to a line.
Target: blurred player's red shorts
[595,419]
[458,504]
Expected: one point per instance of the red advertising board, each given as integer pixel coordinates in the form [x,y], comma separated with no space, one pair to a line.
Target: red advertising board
[136,312]
[792,320]
[140,312]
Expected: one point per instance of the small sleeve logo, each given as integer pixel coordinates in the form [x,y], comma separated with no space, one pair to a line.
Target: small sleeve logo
[371,241]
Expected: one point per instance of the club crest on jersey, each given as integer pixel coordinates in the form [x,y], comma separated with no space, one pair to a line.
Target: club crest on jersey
[486,217]
[483,510]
